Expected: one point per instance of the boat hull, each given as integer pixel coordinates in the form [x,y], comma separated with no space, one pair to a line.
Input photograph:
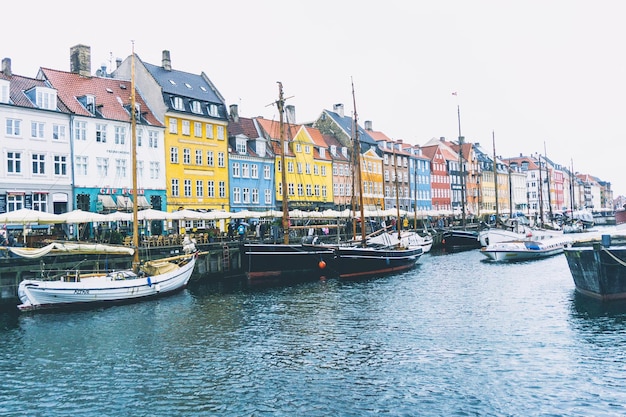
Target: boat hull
[599,272]
[356,262]
[524,250]
[267,263]
[112,288]
[460,240]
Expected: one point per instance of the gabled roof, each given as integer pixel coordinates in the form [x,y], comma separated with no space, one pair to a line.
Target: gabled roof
[20,85]
[332,141]
[112,95]
[245,127]
[345,123]
[271,131]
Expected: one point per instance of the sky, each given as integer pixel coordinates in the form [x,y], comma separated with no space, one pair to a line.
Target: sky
[545,77]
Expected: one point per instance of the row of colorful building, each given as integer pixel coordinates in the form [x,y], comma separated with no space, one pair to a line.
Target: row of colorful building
[66,140]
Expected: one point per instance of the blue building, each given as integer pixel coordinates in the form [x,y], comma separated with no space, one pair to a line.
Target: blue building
[250,165]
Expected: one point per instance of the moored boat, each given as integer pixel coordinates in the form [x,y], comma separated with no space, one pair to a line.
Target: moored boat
[455,240]
[599,270]
[523,250]
[362,262]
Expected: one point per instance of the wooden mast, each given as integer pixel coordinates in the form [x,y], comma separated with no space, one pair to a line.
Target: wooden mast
[395,167]
[461,141]
[281,107]
[495,172]
[357,158]
[133,153]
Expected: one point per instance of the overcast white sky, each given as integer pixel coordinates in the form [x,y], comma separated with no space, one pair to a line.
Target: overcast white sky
[538,74]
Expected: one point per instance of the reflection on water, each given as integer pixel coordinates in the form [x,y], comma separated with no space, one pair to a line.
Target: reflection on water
[455,336]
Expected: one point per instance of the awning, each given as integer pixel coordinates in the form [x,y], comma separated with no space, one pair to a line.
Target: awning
[124,203]
[107,202]
[142,202]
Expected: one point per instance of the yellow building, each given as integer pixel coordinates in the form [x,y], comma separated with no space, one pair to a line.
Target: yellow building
[196,139]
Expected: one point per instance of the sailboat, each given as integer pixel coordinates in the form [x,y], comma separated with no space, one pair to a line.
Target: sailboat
[268,263]
[455,239]
[367,259]
[142,281]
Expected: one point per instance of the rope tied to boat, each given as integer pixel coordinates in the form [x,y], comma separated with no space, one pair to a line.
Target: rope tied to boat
[614,257]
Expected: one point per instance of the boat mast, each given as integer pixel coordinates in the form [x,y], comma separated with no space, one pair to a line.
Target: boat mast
[395,167]
[357,151]
[540,193]
[547,180]
[461,141]
[571,186]
[280,103]
[495,171]
[133,153]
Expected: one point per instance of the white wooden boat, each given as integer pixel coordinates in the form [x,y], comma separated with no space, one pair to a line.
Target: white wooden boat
[407,239]
[522,250]
[155,278]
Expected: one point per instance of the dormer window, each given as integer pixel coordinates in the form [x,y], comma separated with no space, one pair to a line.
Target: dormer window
[333,149]
[241,146]
[177,103]
[88,101]
[5,88]
[323,152]
[260,148]
[213,110]
[196,107]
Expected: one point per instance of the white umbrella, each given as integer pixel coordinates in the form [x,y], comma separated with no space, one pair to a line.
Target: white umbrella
[244,214]
[23,216]
[118,216]
[81,216]
[152,214]
[186,214]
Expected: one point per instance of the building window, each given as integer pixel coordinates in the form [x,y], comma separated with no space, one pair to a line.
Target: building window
[209,158]
[58,132]
[102,165]
[236,169]
[300,190]
[290,189]
[120,135]
[81,130]
[139,136]
[307,149]
[199,188]
[186,156]
[267,173]
[210,188]
[222,190]
[15,202]
[14,162]
[36,130]
[236,195]
[255,196]
[155,170]
[299,165]
[245,170]
[187,188]
[40,202]
[323,191]
[213,110]
[101,133]
[317,190]
[197,129]
[289,166]
[153,138]
[246,195]
[120,168]
[174,155]
[13,127]
[254,168]
[323,170]
[220,132]
[209,130]
[186,128]
[81,165]
[198,156]
[60,165]
[220,159]
[175,190]
[39,164]
[177,103]
[309,190]
[196,107]
[268,196]
[173,125]
[308,168]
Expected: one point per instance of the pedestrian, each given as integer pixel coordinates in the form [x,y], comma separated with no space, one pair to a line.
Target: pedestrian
[241,230]
[230,231]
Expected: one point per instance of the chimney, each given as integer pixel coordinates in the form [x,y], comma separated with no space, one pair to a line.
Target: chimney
[118,62]
[290,111]
[166,62]
[80,60]
[234,113]
[368,125]
[6,66]
[338,108]
[442,139]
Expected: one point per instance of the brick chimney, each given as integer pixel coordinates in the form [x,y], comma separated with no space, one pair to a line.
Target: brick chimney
[80,60]
[166,62]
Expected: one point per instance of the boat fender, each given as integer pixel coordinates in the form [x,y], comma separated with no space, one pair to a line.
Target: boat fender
[149,282]
[322,264]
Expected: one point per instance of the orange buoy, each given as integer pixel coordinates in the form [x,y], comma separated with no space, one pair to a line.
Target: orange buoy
[322,264]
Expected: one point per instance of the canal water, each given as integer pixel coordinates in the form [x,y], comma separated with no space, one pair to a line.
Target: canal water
[457,336]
